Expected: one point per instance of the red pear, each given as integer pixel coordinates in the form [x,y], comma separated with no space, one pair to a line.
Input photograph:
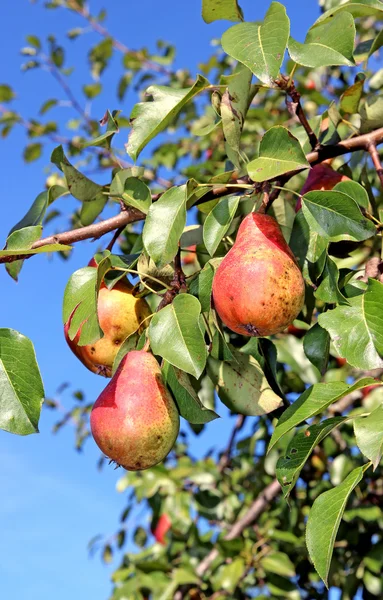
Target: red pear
[135,421]
[162,527]
[320,177]
[258,289]
[119,314]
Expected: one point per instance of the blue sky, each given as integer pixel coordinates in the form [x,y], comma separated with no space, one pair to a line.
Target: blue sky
[53,499]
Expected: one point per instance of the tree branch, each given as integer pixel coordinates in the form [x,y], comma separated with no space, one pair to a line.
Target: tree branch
[257,508]
[96,230]
[376,160]
[295,108]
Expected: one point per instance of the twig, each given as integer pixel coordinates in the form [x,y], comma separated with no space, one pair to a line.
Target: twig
[295,107]
[96,230]
[376,160]
[178,283]
[257,508]
[226,456]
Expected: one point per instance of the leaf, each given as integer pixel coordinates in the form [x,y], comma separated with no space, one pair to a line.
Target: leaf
[316,344]
[324,520]
[6,93]
[260,47]
[164,225]
[201,286]
[80,303]
[242,385]
[336,216]
[92,90]
[90,210]
[279,563]
[21,387]
[328,290]
[36,212]
[279,153]
[327,44]
[356,191]
[312,402]
[371,113]
[105,139]
[176,335]
[137,194]
[118,182]
[299,449]
[188,402]
[218,222]
[357,330]
[148,119]
[214,10]
[358,8]
[32,152]
[369,435]
[79,186]
[234,105]
[350,99]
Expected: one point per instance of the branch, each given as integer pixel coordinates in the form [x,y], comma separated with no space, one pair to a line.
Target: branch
[226,456]
[360,142]
[257,508]
[295,108]
[376,161]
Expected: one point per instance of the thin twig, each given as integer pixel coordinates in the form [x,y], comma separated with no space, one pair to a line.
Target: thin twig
[226,456]
[376,160]
[286,84]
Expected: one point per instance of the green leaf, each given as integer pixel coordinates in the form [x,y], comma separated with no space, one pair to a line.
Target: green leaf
[357,330]
[279,153]
[105,139]
[369,435]
[79,186]
[21,387]
[313,402]
[92,90]
[118,182]
[234,105]
[376,44]
[324,520]
[336,216]
[148,119]
[176,335]
[350,99]
[188,402]
[6,93]
[228,576]
[316,344]
[242,385]
[90,210]
[80,303]
[260,47]
[32,152]
[164,225]
[371,113]
[137,194]
[279,563]
[328,290]
[356,191]
[299,449]
[48,105]
[358,8]
[218,222]
[201,286]
[327,44]
[214,10]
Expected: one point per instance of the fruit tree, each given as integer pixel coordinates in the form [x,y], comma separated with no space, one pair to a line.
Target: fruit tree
[237,274]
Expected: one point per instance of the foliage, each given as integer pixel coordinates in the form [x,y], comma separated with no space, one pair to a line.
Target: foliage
[245,134]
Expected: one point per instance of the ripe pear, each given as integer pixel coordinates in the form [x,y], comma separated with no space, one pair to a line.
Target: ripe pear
[258,289]
[320,177]
[119,314]
[135,421]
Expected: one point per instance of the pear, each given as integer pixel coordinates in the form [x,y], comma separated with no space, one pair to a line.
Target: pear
[135,421]
[258,289]
[119,314]
[320,177]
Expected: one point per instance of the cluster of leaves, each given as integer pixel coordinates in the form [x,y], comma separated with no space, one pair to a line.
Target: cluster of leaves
[243,144]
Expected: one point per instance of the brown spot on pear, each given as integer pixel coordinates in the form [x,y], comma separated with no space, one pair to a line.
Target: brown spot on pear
[259,264]
[135,421]
[119,314]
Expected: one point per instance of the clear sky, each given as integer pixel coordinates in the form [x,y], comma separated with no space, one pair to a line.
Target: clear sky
[53,500]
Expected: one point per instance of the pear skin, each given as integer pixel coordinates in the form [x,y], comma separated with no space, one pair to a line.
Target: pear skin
[119,314]
[135,421]
[320,177]
[258,289]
